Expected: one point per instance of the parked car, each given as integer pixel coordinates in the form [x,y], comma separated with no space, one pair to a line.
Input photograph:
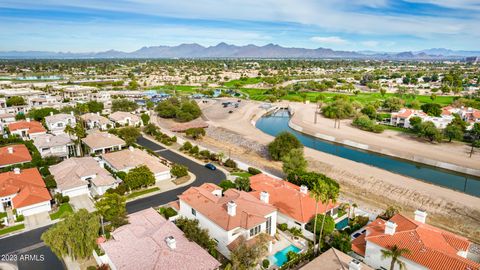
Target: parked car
[210,166]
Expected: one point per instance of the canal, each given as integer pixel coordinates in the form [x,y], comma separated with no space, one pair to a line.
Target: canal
[275,123]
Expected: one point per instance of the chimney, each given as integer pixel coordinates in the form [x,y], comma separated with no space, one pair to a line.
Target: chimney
[303,189]
[51,113]
[10,150]
[28,119]
[354,265]
[16,170]
[171,242]
[264,196]
[98,113]
[420,215]
[390,227]
[231,208]
[130,148]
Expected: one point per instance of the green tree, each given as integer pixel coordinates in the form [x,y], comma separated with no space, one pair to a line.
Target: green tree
[40,114]
[453,131]
[338,109]
[369,111]
[139,177]
[282,145]
[294,161]
[188,111]
[429,131]
[318,193]
[151,129]
[393,104]
[167,109]
[112,208]
[129,134]
[178,170]
[16,101]
[94,106]
[341,241]
[242,183]
[395,253]
[226,184]
[145,118]
[123,105]
[247,256]
[195,133]
[433,109]
[75,236]
[194,233]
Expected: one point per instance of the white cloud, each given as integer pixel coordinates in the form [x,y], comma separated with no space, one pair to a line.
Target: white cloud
[330,40]
[370,43]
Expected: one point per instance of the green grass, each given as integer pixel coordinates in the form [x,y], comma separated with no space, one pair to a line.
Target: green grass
[233,83]
[3,214]
[63,210]
[12,229]
[242,174]
[142,192]
[179,88]
[400,129]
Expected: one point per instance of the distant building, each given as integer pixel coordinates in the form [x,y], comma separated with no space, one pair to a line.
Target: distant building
[429,247]
[149,241]
[125,119]
[96,121]
[26,129]
[56,123]
[102,142]
[473,60]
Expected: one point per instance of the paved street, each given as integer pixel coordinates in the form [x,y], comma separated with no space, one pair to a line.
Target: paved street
[29,243]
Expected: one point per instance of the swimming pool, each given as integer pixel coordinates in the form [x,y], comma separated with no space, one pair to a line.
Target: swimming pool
[280,257]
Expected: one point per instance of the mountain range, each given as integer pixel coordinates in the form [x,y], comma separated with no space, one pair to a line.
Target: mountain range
[223,50]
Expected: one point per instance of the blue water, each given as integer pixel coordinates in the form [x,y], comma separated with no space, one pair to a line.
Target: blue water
[278,122]
[280,257]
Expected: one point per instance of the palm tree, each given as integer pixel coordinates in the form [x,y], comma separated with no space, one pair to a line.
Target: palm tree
[318,194]
[331,193]
[395,253]
[354,206]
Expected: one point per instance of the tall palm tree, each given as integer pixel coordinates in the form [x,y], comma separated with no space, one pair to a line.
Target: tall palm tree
[331,193]
[318,193]
[354,206]
[395,253]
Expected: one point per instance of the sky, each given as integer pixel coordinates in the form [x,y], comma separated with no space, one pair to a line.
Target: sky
[127,25]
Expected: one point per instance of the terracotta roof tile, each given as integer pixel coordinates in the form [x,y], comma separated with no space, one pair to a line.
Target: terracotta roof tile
[28,185]
[32,126]
[249,213]
[287,197]
[20,154]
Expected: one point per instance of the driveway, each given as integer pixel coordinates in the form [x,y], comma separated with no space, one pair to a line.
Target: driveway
[37,220]
[82,201]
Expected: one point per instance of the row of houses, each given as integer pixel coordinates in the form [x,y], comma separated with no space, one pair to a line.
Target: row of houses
[469,115]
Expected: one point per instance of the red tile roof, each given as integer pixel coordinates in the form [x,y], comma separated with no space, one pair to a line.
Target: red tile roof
[429,246]
[287,197]
[32,126]
[20,155]
[250,211]
[28,185]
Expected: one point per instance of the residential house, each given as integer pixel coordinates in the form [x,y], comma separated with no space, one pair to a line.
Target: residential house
[429,247]
[96,121]
[13,155]
[55,145]
[102,142]
[469,115]
[149,241]
[77,92]
[26,129]
[229,216]
[295,205]
[125,119]
[402,117]
[82,175]
[130,158]
[25,191]
[334,259]
[56,123]
[5,119]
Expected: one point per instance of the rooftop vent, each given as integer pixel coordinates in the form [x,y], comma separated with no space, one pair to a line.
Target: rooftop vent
[355,265]
[16,170]
[231,208]
[10,150]
[171,242]
[303,189]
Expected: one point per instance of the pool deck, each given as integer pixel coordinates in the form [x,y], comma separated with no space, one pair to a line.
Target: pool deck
[285,241]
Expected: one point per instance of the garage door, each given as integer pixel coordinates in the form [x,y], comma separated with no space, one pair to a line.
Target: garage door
[34,209]
[76,191]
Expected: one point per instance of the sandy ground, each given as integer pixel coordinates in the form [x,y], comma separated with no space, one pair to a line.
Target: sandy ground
[391,141]
[362,183]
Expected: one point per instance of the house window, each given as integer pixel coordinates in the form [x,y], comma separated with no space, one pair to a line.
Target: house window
[254,231]
[269,225]
[194,212]
[298,223]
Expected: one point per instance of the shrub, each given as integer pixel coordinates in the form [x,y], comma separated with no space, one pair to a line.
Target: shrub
[282,226]
[65,199]
[121,175]
[120,190]
[195,133]
[173,139]
[194,150]
[283,143]
[179,170]
[226,184]
[205,153]
[167,212]
[254,171]
[365,123]
[50,182]
[20,218]
[230,164]
[265,263]
[186,146]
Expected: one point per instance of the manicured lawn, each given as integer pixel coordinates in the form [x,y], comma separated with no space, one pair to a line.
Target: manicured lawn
[12,229]
[242,174]
[142,192]
[179,88]
[232,83]
[3,214]
[63,210]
